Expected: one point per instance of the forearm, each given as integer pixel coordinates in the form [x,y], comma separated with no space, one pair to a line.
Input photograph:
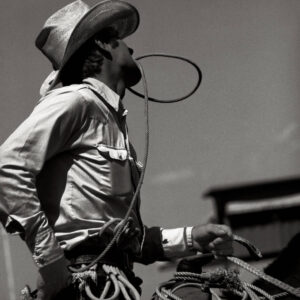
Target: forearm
[214,238]
[177,242]
[40,137]
[164,244]
[21,211]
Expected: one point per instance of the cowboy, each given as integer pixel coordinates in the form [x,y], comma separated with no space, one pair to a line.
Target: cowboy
[69,169]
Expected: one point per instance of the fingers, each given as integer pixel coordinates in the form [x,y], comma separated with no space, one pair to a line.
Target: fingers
[219,230]
[221,246]
[222,253]
[215,238]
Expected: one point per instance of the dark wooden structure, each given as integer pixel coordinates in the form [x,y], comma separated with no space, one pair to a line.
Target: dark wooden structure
[267,213]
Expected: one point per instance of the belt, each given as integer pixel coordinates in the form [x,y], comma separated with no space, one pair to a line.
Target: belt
[90,249]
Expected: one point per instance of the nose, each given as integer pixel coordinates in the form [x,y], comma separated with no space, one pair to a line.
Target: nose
[130,50]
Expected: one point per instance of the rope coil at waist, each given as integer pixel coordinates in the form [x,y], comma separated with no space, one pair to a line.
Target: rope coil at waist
[116,283]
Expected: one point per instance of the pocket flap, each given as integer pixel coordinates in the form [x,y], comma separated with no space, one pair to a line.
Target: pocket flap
[114,153]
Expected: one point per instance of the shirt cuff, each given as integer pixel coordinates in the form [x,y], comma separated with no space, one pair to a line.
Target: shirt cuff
[177,242]
[46,249]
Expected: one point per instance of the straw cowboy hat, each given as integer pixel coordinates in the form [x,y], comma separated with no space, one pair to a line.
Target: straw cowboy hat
[71,26]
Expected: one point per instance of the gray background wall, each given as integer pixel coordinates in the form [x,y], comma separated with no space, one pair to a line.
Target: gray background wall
[242,125]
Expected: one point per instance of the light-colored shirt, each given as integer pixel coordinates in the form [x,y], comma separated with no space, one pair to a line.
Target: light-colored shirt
[67,169]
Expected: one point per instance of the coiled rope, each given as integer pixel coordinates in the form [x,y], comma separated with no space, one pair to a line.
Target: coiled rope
[227,280]
[235,286]
[282,285]
[117,280]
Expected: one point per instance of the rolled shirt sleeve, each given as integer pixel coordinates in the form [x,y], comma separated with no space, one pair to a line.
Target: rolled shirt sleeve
[177,242]
[45,133]
[166,244]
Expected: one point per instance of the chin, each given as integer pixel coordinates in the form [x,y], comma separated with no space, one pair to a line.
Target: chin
[132,75]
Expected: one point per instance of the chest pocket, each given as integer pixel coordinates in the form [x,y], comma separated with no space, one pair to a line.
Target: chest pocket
[117,168]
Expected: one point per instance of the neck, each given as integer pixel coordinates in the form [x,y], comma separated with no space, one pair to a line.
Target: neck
[112,78]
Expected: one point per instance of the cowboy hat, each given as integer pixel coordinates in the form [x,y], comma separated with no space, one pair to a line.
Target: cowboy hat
[71,26]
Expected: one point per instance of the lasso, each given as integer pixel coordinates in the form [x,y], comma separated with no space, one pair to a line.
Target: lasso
[123,223]
[116,279]
[227,280]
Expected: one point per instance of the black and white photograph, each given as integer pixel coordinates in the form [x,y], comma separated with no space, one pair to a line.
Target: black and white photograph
[150,150]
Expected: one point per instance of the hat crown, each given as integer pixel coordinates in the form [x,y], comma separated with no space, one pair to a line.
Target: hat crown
[54,37]
[73,25]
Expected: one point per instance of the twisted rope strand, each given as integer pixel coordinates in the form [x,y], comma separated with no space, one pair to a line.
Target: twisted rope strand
[161,295]
[170,294]
[259,290]
[194,284]
[282,285]
[213,293]
[251,293]
[123,279]
[105,290]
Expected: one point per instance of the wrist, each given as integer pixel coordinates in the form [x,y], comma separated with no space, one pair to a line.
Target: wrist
[189,237]
[195,240]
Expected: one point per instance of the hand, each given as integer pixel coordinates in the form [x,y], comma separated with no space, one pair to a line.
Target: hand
[52,279]
[129,238]
[213,238]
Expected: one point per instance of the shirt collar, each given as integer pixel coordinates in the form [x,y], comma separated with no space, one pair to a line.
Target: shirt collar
[111,97]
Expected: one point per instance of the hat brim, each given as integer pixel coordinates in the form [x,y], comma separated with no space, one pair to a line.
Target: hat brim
[122,16]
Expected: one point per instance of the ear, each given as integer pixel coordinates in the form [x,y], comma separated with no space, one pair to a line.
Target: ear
[105,49]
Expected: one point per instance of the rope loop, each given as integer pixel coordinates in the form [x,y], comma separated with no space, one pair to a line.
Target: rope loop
[188,61]
[116,284]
